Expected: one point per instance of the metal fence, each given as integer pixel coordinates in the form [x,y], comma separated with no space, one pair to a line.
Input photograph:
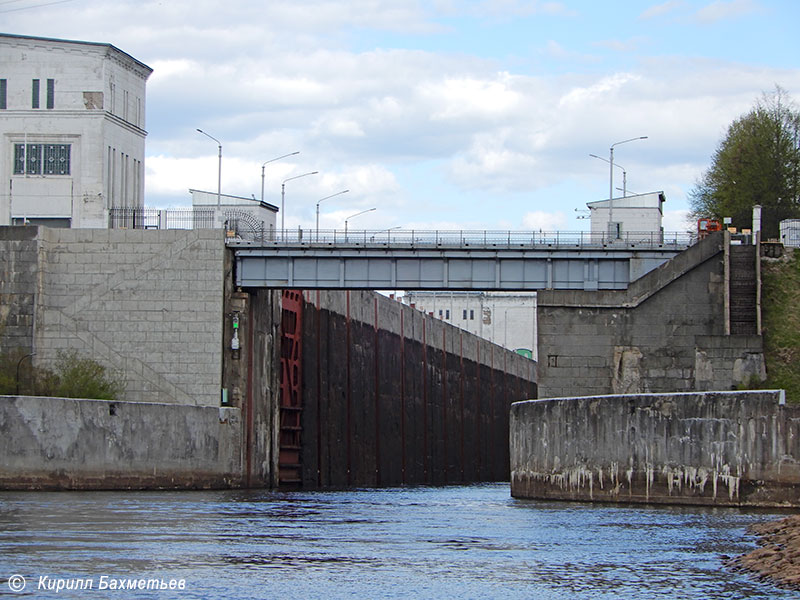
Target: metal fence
[156,218]
[479,239]
[243,229]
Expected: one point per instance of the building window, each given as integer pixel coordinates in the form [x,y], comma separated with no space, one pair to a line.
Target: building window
[51,93]
[447,314]
[471,315]
[42,159]
[35,94]
[3,94]
[465,314]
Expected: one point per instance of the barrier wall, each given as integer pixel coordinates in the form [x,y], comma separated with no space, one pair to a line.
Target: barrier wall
[66,443]
[668,332]
[145,303]
[717,448]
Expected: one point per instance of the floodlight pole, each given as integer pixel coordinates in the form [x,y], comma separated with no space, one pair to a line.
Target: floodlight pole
[611,179]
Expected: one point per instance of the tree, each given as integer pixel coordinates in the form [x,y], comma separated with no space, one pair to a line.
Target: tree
[758,162]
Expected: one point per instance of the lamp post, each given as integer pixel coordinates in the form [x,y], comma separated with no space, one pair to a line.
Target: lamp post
[624,174]
[265,164]
[219,168]
[318,202]
[283,198]
[353,217]
[611,180]
[389,232]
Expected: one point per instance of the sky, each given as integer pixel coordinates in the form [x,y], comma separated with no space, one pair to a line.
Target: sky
[440,114]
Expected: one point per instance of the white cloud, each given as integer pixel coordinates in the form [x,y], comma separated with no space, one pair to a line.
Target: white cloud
[421,132]
[677,220]
[662,9]
[630,45]
[469,98]
[556,51]
[722,9]
[505,9]
[544,221]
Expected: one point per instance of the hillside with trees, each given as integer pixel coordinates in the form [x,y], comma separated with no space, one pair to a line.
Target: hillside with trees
[757,162]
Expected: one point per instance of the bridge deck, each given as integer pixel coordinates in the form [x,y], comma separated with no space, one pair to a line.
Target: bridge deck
[519,261]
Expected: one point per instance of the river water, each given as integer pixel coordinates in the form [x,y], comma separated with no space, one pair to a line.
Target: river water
[451,542]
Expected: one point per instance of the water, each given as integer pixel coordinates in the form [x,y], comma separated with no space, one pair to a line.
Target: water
[453,542]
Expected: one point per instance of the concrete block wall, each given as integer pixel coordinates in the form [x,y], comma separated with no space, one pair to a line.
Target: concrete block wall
[392,396]
[146,303]
[717,448]
[665,333]
[18,287]
[67,443]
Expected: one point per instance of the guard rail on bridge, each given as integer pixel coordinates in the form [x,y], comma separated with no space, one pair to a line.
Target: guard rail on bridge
[471,239]
[422,259]
[451,260]
[245,234]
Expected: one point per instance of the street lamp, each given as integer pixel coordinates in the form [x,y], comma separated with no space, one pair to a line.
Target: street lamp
[624,174]
[265,164]
[283,197]
[353,217]
[611,179]
[325,198]
[219,168]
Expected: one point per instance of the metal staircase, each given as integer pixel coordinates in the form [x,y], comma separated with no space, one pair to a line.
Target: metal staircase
[743,290]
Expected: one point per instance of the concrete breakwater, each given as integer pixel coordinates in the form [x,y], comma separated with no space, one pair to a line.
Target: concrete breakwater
[715,448]
[68,443]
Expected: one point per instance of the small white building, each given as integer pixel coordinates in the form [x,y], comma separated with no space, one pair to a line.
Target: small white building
[72,125]
[505,318]
[632,214]
[246,216]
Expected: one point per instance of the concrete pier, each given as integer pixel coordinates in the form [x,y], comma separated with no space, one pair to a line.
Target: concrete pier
[710,448]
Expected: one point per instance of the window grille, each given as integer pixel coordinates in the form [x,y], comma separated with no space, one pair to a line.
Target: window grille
[42,159]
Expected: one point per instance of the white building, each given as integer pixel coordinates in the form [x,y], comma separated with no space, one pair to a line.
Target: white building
[505,318]
[72,125]
[631,214]
[247,216]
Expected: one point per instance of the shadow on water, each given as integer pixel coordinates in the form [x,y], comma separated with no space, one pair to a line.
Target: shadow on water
[465,542]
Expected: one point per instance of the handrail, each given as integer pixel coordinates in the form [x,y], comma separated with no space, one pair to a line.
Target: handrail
[197,218]
[414,238]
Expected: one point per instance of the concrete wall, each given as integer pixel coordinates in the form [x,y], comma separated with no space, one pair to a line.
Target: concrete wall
[19,275]
[146,303]
[665,333]
[251,377]
[392,396]
[64,443]
[719,448]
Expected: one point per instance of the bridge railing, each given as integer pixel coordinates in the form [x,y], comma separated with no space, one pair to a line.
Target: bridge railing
[412,238]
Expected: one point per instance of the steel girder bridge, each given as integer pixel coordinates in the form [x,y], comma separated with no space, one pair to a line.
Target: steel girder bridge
[451,260]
